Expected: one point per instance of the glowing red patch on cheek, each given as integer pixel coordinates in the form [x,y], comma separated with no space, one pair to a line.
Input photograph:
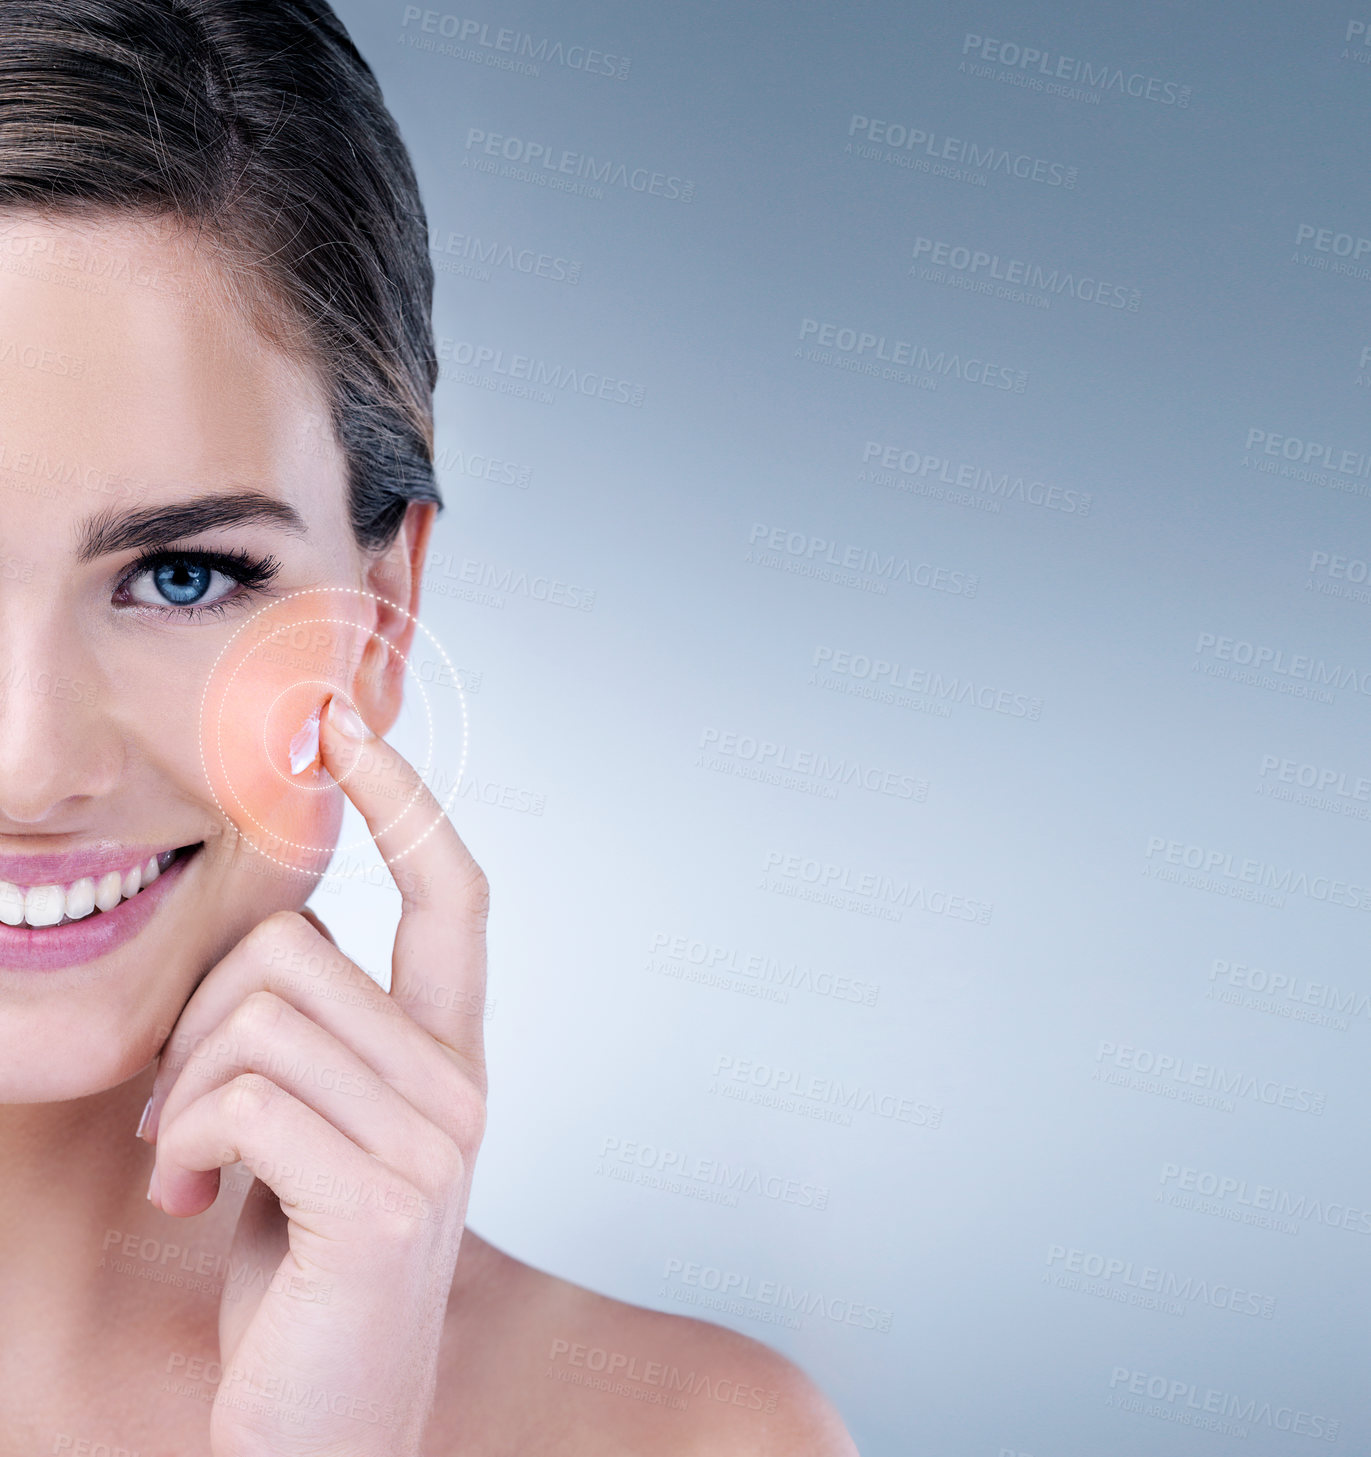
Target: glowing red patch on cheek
[259,729]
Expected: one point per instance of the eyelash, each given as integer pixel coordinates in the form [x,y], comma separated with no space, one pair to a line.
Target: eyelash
[253,574]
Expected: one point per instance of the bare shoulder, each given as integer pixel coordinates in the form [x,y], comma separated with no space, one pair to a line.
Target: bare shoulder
[537,1365]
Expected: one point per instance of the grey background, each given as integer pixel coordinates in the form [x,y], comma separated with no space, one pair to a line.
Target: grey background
[1072,1051]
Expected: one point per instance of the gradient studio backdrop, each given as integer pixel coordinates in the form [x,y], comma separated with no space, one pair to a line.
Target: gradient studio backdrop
[909,505]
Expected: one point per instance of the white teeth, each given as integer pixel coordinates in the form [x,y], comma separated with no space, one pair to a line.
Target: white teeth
[47,905]
[80,901]
[43,905]
[11,903]
[109,890]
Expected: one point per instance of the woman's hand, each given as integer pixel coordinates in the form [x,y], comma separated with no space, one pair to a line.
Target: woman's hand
[359,1112]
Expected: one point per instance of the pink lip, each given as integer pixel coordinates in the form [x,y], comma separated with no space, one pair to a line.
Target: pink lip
[53,947]
[66,866]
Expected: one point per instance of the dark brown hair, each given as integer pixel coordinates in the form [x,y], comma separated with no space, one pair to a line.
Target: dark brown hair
[258,122]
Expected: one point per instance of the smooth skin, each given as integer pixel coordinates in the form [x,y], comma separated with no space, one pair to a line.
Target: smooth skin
[300,1278]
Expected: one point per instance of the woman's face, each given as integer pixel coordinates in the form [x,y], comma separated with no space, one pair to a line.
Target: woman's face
[165,473]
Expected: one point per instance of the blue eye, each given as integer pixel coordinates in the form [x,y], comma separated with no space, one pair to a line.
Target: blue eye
[182,583]
[185,582]
[194,582]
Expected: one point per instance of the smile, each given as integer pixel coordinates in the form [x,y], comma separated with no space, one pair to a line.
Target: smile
[59,911]
[58,905]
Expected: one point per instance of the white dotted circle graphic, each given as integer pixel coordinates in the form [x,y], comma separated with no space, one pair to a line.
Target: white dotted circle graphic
[422,770]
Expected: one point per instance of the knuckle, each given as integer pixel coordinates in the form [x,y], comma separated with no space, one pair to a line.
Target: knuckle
[281,929]
[478,893]
[256,1015]
[244,1098]
[468,1112]
[441,1161]
[400,1215]
[315,923]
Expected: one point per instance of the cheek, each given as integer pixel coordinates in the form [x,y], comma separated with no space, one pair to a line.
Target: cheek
[259,732]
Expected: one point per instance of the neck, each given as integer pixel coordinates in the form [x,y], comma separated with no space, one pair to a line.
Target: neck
[72,1198]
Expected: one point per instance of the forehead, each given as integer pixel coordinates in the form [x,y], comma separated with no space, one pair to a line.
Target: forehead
[124,350]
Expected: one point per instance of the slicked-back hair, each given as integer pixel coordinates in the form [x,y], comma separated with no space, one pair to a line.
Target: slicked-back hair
[258,124]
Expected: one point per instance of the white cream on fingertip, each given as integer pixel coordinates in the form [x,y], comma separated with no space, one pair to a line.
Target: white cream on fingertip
[304,747]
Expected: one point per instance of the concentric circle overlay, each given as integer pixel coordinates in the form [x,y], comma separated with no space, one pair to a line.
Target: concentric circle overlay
[295,626]
[268,638]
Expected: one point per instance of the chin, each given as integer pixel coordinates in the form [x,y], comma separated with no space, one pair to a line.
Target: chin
[78,1024]
[51,1060]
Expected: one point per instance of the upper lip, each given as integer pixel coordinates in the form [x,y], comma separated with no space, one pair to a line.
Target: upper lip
[64,867]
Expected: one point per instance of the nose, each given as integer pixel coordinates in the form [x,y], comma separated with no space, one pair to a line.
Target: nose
[59,747]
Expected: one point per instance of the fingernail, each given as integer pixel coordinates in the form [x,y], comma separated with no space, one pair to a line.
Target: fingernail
[304,747]
[346,720]
[152,1185]
[143,1121]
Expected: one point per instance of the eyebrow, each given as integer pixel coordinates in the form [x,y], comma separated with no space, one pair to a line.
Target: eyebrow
[111,531]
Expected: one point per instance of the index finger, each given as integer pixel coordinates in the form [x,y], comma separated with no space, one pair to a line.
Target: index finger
[438,967]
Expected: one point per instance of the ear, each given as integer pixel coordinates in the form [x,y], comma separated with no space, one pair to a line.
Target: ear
[394,577]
